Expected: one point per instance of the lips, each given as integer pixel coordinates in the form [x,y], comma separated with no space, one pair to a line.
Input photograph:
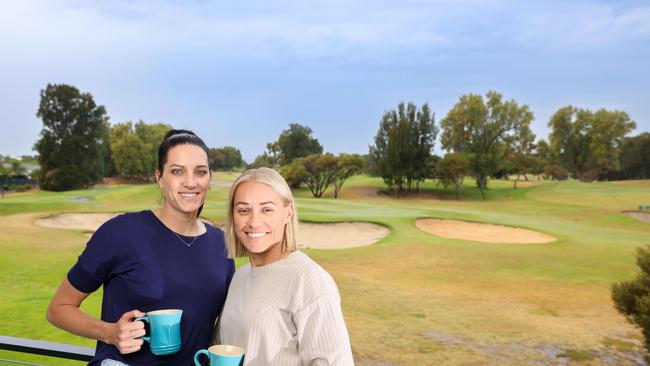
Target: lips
[256,234]
[188,195]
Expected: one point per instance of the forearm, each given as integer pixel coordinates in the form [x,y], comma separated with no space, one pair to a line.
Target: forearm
[72,319]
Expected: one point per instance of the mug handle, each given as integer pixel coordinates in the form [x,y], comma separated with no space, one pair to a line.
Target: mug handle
[144,319]
[198,353]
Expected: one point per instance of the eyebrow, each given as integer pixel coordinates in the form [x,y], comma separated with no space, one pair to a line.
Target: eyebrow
[183,166]
[248,204]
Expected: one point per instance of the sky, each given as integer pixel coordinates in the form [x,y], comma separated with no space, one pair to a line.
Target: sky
[239,72]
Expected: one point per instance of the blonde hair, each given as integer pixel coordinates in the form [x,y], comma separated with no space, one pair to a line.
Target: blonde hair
[274,180]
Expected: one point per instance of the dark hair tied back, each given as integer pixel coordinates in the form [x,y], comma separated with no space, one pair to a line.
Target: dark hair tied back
[178,137]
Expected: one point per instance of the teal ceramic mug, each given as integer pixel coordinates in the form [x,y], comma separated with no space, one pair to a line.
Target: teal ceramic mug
[222,355]
[165,331]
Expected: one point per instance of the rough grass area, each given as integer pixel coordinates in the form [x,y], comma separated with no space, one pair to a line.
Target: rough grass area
[412,298]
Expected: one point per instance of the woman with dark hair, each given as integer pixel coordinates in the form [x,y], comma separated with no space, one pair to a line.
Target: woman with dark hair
[164,258]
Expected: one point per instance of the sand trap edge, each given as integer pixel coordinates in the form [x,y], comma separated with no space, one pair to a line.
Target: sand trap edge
[475,231]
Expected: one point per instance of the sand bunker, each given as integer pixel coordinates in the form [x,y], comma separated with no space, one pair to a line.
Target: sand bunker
[340,235]
[78,221]
[639,215]
[485,233]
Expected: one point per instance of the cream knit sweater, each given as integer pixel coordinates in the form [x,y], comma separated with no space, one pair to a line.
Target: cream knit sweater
[286,313]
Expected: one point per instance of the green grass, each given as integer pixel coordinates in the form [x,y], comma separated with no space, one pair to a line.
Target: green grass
[399,291]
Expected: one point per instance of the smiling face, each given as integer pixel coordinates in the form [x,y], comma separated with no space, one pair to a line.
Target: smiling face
[259,219]
[185,179]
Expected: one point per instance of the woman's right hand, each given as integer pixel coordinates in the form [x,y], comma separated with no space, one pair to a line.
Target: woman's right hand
[64,312]
[126,334]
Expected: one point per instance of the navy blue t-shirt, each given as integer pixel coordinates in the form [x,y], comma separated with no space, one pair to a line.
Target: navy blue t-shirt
[144,266]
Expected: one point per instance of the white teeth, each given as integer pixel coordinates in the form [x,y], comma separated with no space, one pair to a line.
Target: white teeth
[188,195]
[256,235]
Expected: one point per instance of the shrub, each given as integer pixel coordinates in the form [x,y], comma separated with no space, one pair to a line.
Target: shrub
[555,172]
[20,187]
[632,298]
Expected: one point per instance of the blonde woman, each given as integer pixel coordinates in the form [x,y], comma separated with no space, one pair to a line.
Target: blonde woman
[282,307]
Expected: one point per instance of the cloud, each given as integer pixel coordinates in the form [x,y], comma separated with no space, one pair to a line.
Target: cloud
[584,25]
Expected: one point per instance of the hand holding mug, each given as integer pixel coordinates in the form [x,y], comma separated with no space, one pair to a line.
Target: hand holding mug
[165,329]
[125,334]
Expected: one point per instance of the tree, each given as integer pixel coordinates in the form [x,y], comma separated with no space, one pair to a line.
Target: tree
[16,167]
[4,172]
[295,173]
[347,166]
[451,171]
[607,132]
[321,172]
[295,142]
[588,144]
[555,172]
[126,148]
[403,147]
[522,144]
[135,148]
[635,157]
[216,159]
[568,139]
[543,156]
[225,158]
[477,128]
[632,298]
[263,160]
[72,145]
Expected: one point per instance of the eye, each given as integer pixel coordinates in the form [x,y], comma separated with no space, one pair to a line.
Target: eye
[242,211]
[177,171]
[201,173]
[268,209]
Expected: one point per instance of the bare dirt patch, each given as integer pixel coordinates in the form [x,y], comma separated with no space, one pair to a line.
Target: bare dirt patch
[485,233]
[639,215]
[340,235]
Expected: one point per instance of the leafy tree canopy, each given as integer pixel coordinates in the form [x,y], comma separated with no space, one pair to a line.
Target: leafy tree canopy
[73,145]
[481,128]
[403,145]
[134,148]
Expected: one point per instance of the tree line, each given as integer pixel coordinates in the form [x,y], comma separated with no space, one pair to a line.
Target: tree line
[484,137]
[78,146]
[489,137]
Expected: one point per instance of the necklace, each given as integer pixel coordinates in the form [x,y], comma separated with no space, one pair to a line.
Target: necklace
[178,236]
[184,242]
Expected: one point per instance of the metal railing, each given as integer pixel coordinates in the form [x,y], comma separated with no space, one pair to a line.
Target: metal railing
[51,349]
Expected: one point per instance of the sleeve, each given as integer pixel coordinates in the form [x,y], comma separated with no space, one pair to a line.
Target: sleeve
[322,336]
[96,263]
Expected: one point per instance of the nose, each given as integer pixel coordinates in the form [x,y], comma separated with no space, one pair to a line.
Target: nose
[251,219]
[189,181]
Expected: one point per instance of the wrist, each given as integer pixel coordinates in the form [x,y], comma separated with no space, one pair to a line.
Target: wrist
[105,331]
